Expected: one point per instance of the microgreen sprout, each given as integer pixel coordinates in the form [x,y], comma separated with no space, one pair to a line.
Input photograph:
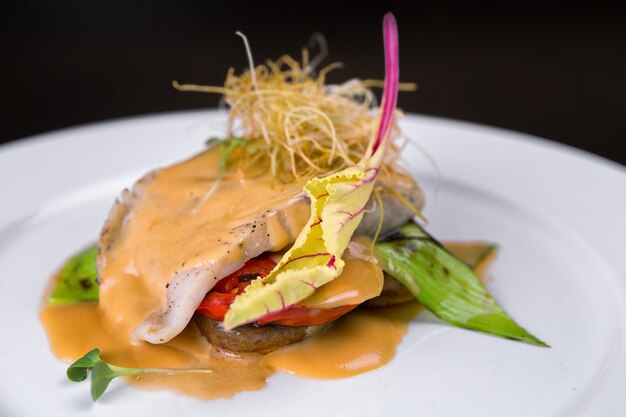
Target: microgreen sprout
[212,141]
[102,373]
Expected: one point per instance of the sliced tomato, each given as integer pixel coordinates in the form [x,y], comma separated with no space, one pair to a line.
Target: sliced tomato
[215,305]
[238,280]
[217,302]
[302,316]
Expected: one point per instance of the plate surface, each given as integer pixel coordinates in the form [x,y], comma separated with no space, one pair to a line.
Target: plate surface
[557,213]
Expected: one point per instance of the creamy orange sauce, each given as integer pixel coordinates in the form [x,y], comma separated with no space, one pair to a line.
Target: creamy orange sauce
[75,329]
[366,340]
[361,341]
[163,250]
[361,279]
[478,255]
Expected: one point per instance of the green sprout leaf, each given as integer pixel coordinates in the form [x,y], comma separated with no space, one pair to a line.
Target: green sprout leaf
[101,377]
[445,285]
[78,370]
[210,142]
[102,373]
[78,279]
[226,149]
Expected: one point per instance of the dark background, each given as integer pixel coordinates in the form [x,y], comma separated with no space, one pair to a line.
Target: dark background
[558,72]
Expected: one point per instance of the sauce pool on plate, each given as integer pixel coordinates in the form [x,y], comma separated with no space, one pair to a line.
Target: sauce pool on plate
[361,341]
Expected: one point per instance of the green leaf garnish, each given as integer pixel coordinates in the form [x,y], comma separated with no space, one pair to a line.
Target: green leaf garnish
[78,279]
[78,370]
[210,142]
[102,373]
[445,285]
[226,149]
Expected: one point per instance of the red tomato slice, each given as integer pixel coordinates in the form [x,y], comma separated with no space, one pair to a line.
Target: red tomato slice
[215,305]
[240,279]
[217,302]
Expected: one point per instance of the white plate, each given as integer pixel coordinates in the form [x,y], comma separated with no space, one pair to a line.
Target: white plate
[558,214]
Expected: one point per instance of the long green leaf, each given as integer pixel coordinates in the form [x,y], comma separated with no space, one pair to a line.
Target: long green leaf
[445,285]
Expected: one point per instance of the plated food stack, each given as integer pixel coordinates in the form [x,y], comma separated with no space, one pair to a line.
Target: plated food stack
[297,217]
